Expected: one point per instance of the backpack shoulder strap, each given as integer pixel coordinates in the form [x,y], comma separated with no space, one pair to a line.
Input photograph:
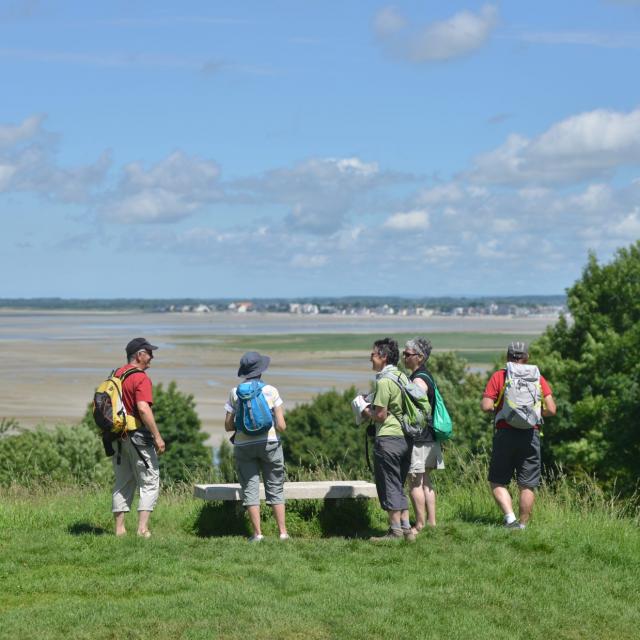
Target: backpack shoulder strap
[130,372]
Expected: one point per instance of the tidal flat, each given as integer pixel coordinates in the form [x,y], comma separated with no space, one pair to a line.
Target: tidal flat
[51,362]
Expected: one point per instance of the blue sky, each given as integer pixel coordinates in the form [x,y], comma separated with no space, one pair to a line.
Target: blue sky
[290,148]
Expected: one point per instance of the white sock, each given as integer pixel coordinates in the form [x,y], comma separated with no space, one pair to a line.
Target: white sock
[509,518]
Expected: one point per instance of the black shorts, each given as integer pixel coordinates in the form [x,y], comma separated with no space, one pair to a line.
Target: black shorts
[516,450]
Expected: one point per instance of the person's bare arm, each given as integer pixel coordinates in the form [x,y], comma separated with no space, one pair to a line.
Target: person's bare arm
[487,405]
[229,424]
[422,384]
[280,423]
[549,406]
[146,415]
[375,413]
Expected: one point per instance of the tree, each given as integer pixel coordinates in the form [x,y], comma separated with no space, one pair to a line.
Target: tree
[324,432]
[593,366]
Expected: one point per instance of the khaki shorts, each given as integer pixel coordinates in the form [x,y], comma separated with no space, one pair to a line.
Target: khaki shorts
[425,457]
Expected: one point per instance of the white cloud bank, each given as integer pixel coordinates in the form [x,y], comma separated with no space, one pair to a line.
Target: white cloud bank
[28,164]
[458,36]
[579,148]
[170,190]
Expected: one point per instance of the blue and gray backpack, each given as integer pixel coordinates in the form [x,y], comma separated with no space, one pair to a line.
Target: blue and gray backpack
[253,416]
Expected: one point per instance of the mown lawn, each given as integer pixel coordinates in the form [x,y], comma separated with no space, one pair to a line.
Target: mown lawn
[572,574]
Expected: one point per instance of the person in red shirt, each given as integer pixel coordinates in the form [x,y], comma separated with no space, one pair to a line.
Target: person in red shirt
[136,463]
[514,449]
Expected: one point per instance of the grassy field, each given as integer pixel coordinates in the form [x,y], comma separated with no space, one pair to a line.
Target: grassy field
[572,574]
[476,348]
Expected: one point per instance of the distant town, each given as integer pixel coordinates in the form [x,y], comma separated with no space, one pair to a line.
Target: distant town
[307,308]
[554,305]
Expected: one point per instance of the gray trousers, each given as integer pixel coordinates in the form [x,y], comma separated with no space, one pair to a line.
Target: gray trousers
[391,462]
[265,457]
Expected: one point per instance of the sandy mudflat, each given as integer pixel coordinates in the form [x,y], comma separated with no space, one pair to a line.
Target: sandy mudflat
[52,361]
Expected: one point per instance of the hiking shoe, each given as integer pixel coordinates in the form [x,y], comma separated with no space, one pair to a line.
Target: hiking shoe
[258,538]
[516,524]
[392,534]
[409,535]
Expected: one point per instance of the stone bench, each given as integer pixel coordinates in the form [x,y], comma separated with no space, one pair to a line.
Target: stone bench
[323,490]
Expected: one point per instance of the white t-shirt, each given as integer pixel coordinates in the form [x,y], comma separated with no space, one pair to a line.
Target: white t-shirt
[273,399]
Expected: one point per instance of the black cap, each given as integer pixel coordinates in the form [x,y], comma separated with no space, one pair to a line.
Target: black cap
[138,344]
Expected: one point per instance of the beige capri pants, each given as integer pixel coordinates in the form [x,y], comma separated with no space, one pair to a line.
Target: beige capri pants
[131,474]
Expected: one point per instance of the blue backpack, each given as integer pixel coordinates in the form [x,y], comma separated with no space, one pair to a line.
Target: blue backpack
[253,416]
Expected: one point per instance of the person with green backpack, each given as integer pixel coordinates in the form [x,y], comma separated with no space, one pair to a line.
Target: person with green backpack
[392,448]
[426,454]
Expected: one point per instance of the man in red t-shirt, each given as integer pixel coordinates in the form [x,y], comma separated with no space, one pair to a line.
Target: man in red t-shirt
[515,449]
[136,465]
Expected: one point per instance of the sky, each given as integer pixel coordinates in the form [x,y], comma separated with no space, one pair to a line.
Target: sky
[315,148]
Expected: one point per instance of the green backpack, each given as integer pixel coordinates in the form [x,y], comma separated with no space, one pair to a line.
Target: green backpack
[442,425]
[416,410]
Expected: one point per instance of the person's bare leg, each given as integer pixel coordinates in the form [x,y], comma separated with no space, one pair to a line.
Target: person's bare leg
[429,499]
[254,517]
[417,495]
[143,522]
[278,514]
[119,522]
[527,496]
[502,497]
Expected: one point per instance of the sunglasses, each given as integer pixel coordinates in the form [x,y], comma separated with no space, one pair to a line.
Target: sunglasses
[408,354]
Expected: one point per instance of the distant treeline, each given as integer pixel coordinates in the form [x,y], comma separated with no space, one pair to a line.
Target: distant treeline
[277,304]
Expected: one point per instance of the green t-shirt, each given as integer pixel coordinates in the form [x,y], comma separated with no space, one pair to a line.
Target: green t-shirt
[388,395]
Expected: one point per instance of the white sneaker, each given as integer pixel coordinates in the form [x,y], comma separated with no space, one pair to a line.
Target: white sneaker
[257,538]
[284,536]
[516,524]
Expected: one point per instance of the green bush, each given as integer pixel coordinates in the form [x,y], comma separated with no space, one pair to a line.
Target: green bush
[64,454]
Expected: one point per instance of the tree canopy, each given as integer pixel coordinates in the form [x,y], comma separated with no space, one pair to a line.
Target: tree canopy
[592,362]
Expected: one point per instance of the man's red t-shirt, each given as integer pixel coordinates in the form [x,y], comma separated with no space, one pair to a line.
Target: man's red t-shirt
[137,387]
[494,386]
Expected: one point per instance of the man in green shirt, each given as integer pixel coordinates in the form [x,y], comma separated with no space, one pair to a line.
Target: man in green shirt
[392,451]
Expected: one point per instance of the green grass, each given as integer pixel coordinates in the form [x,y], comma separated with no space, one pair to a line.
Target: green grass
[350,341]
[476,348]
[572,574]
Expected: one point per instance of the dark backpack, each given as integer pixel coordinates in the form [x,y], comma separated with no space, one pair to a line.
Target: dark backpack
[253,415]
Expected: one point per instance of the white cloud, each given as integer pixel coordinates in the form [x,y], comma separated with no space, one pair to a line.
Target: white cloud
[170,190]
[457,36]
[440,254]
[12,134]
[411,221]
[320,193]
[578,148]
[388,22]
[304,261]
[28,164]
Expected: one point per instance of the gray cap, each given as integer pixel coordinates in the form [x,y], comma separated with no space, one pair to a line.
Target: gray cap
[517,350]
[252,364]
